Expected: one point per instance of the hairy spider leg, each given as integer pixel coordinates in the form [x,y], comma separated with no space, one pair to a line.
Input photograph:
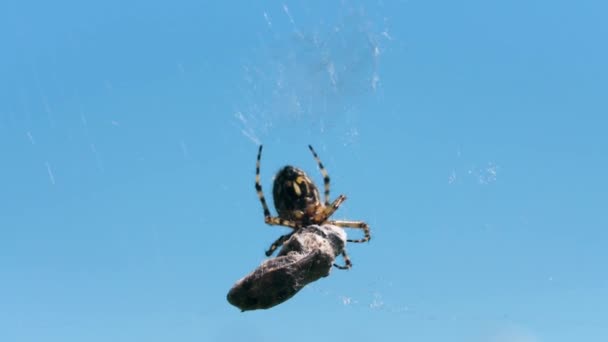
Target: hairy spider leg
[353,224]
[278,243]
[327,211]
[347,263]
[323,172]
[258,185]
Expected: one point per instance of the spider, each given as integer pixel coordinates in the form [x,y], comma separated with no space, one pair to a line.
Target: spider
[298,204]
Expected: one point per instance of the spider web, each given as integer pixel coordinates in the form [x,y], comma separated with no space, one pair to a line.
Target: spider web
[310,76]
[310,72]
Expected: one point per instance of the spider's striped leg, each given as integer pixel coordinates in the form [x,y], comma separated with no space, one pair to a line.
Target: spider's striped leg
[329,210]
[258,187]
[277,221]
[347,263]
[278,243]
[324,173]
[354,224]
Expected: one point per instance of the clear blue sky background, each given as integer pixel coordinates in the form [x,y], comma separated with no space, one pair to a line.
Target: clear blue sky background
[470,135]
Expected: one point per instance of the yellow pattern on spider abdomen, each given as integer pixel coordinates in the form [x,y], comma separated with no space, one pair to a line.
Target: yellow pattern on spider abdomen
[296,188]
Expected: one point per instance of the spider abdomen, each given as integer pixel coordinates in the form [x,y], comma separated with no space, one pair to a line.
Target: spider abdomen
[295,195]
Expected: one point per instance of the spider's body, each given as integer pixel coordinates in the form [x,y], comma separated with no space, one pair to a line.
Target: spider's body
[296,197]
[298,203]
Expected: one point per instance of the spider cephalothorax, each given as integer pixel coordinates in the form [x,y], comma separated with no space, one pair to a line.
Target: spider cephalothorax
[298,203]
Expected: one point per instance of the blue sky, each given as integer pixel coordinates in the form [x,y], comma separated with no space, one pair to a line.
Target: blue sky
[470,135]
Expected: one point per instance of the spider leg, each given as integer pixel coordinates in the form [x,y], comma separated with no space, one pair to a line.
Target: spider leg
[278,243]
[330,209]
[347,263]
[258,187]
[277,221]
[354,224]
[324,173]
